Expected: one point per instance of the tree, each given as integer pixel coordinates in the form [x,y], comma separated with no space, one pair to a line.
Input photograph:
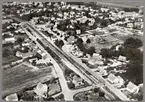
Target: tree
[135,72]
[71,85]
[105,52]
[19,40]
[91,50]
[101,94]
[88,41]
[96,89]
[38,56]
[59,43]
[104,23]
[34,62]
[49,99]
[79,41]
[68,72]
[28,96]
[133,43]
[6,52]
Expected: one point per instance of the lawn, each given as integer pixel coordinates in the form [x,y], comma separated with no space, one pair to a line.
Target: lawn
[88,96]
[22,76]
[9,59]
[54,88]
[10,55]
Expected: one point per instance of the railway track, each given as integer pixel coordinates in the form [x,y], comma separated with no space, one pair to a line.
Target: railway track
[59,54]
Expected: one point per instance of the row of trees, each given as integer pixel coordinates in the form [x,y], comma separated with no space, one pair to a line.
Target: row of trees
[131,10]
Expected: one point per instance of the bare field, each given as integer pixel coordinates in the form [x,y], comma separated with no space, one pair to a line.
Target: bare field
[22,76]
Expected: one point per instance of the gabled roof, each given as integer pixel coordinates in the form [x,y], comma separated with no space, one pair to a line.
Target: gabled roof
[131,85]
[122,58]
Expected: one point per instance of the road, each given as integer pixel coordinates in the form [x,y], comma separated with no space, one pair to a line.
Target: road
[83,69]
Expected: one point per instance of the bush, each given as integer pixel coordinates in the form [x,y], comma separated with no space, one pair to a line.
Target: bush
[71,85]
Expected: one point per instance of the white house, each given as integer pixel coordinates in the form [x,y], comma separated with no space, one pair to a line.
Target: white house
[25,44]
[11,39]
[41,89]
[117,47]
[113,79]
[131,87]
[12,97]
[130,25]
[122,58]
[121,82]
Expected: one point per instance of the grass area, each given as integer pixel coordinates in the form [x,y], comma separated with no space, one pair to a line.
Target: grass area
[107,43]
[60,97]
[23,36]
[9,59]
[10,55]
[22,76]
[88,96]
[54,88]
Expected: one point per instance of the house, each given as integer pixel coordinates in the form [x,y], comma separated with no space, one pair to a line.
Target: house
[103,72]
[96,59]
[78,31]
[84,38]
[8,33]
[25,55]
[104,9]
[113,79]
[44,55]
[117,47]
[25,44]
[131,87]
[41,89]
[130,25]
[71,39]
[122,58]
[66,48]
[121,82]
[12,97]
[10,39]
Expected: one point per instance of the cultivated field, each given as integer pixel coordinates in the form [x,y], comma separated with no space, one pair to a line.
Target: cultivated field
[22,76]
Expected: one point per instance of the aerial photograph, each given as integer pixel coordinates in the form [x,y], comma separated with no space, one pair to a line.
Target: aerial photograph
[72,51]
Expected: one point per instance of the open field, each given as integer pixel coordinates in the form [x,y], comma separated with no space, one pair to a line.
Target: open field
[22,76]
[121,4]
[9,57]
